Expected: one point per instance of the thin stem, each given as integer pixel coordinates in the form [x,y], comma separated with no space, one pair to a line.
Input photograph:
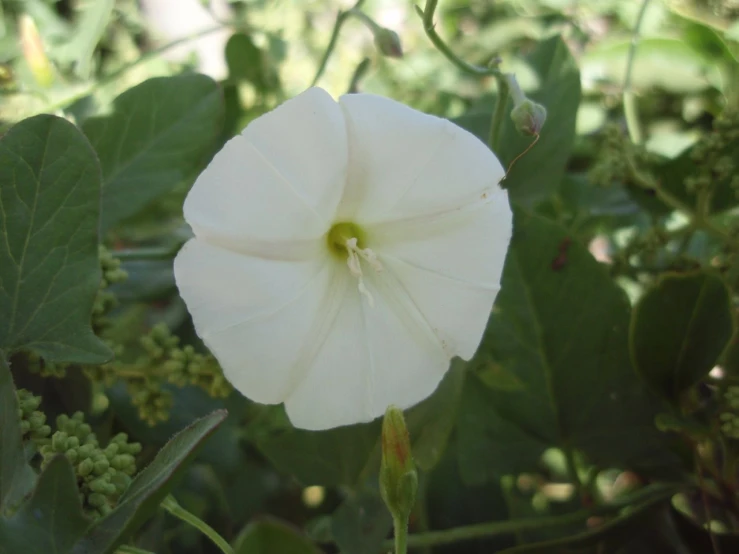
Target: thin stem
[499,112]
[575,475]
[152,253]
[652,493]
[401,535]
[341,17]
[629,100]
[174,508]
[427,16]
[132,550]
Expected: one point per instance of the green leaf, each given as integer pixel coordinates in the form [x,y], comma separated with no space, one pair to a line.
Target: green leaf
[88,32]
[665,63]
[49,271]
[52,519]
[361,523]
[158,137]
[431,422]
[271,536]
[16,476]
[149,488]
[560,327]
[246,62]
[557,87]
[334,457]
[679,329]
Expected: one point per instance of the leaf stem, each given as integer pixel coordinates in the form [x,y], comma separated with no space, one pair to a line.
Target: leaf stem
[427,16]
[648,494]
[341,18]
[582,492]
[131,550]
[174,508]
[630,111]
[499,112]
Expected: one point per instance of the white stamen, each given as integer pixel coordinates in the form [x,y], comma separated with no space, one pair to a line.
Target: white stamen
[355,266]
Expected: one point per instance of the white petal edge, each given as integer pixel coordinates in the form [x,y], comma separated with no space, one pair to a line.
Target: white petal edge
[279,180]
[255,315]
[404,163]
[371,358]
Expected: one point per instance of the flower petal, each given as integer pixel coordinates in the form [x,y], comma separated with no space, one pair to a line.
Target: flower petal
[450,265]
[404,163]
[280,180]
[255,315]
[371,358]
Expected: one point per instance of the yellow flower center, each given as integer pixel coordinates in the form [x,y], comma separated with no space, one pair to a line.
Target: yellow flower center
[346,241]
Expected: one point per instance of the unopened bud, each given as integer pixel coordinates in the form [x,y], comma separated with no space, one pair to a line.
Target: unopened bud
[387,42]
[398,477]
[34,53]
[527,115]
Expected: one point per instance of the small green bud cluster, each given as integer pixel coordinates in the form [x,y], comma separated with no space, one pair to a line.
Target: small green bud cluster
[33,422]
[715,155]
[730,418]
[106,300]
[45,368]
[166,361]
[103,474]
[617,157]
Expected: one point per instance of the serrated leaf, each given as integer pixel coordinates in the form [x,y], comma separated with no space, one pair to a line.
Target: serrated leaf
[560,325]
[536,175]
[149,488]
[49,270]
[679,329]
[16,476]
[51,520]
[158,136]
[271,536]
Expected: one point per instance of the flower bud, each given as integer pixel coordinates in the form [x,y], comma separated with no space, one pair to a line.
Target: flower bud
[33,51]
[387,42]
[527,115]
[398,477]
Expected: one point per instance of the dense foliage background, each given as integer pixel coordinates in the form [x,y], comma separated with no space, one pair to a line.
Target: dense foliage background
[601,413]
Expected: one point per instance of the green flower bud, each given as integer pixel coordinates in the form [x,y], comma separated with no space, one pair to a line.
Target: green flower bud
[527,115]
[85,467]
[59,441]
[398,477]
[387,42]
[97,500]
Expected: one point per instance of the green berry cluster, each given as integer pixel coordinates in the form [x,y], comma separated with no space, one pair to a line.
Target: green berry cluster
[617,158]
[45,368]
[106,300]
[33,422]
[166,361]
[714,155]
[730,417]
[103,474]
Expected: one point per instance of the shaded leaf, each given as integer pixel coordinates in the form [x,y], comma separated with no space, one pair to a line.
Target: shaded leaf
[16,476]
[52,519]
[560,326]
[334,457]
[158,136]
[271,536]
[149,488]
[679,329]
[361,524]
[49,270]
[557,87]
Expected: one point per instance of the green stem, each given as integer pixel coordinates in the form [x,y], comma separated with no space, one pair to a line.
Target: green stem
[499,112]
[427,16]
[401,535]
[575,475]
[153,253]
[132,550]
[340,20]
[174,508]
[652,493]
[629,100]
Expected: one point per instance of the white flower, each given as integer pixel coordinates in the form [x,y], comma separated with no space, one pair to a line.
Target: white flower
[344,252]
